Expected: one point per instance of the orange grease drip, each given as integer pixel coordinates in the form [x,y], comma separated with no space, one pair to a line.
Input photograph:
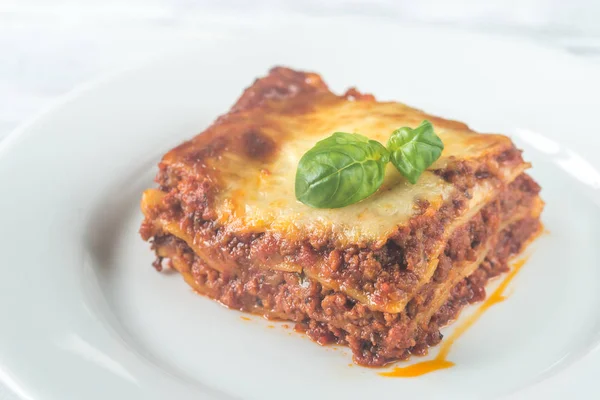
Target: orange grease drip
[246,318]
[440,361]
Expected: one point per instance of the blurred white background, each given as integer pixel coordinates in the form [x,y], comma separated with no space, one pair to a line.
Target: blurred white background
[50,46]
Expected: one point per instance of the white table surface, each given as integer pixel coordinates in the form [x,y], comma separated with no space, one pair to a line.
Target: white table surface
[50,47]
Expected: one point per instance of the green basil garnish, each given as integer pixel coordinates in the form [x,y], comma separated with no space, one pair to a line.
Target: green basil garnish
[346,168]
[340,170]
[413,150]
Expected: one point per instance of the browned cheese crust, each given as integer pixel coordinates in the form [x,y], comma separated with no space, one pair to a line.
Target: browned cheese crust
[380,276]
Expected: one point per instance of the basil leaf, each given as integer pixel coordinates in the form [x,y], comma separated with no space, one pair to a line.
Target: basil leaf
[412,151]
[340,170]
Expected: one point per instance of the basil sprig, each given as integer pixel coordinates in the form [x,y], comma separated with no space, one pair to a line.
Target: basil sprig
[413,150]
[340,170]
[346,168]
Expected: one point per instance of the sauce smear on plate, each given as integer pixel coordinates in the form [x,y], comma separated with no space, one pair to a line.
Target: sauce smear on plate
[441,361]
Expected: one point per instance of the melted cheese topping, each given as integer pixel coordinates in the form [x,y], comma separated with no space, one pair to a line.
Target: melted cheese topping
[243,170]
[259,195]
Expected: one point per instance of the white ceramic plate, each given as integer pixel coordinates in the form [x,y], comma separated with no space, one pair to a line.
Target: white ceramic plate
[84,315]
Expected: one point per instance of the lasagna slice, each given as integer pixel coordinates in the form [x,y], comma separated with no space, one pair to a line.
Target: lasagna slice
[382,275]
